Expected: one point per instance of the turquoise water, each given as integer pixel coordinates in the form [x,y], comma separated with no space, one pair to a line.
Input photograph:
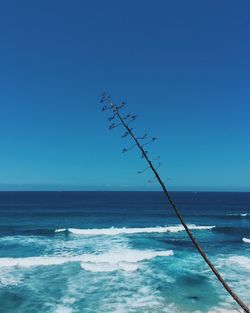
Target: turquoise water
[121,252]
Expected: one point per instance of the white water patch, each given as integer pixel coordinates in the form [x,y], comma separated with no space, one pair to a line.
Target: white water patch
[8,279]
[246,240]
[63,309]
[60,230]
[119,231]
[121,260]
[124,260]
[243,261]
[107,267]
[235,269]
[130,292]
[239,214]
[23,240]
[140,298]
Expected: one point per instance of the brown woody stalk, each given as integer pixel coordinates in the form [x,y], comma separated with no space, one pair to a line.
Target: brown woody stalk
[129,131]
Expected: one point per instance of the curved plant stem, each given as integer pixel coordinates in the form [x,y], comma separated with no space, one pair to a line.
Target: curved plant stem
[177,212]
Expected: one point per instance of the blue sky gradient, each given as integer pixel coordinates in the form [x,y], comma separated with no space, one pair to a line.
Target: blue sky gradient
[182,66]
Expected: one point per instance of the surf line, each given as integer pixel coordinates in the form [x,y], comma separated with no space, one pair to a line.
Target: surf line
[125,122]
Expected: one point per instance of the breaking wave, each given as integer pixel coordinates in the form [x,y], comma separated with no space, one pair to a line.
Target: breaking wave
[239,214]
[118,231]
[246,240]
[124,259]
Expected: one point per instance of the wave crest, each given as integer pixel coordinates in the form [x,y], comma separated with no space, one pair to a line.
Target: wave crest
[239,214]
[246,240]
[119,231]
[107,267]
[125,259]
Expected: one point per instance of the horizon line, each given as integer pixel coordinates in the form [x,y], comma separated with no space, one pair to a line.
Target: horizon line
[122,187]
[127,190]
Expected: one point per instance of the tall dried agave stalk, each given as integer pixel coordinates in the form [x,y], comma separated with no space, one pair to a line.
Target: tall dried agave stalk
[117,120]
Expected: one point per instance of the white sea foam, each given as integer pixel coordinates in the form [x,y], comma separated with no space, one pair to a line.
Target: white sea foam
[36,261]
[60,230]
[243,261]
[239,214]
[118,231]
[63,309]
[246,240]
[8,279]
[107,267]
[114,260]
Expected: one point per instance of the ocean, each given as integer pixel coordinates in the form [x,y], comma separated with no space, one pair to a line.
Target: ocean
[123,252]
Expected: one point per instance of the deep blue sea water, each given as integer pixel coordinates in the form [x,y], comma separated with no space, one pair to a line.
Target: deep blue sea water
[123,252]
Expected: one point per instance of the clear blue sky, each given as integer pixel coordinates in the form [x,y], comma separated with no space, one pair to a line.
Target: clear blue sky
[183,66]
